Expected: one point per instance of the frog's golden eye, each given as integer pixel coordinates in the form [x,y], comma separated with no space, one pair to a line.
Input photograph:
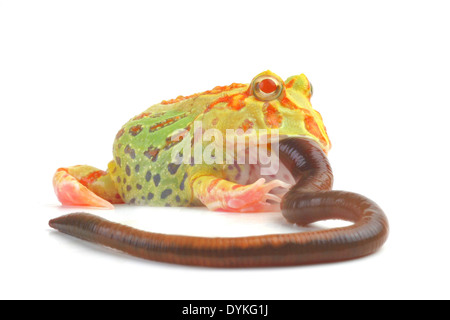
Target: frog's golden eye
[267,88]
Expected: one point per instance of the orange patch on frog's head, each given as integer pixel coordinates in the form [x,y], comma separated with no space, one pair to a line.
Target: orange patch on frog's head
[286,106]
[267,102]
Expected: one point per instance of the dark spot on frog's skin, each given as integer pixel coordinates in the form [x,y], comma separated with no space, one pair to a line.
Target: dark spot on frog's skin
[173,140]
[150,196]
[119,161]
[148,176]
[135,130]
[182,182]
[152,153]
[136,168]
[138,186]
[133,201]
[127,170]
[120,133]
[173,167]
[118,179]
[129,188]
[124,180]
[177,198]
[167,205]
[143,198]
[130,151]
[156,179]
[170,143]
[166,193]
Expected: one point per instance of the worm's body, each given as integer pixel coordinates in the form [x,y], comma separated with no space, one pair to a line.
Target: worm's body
[308,201]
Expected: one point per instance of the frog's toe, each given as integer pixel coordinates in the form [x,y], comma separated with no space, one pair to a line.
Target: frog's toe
[256,197]
[71,192]
[221,195]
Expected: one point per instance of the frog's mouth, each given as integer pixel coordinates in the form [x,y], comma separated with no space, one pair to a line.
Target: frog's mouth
[267,163]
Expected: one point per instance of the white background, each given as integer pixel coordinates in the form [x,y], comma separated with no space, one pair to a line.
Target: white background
[72,72]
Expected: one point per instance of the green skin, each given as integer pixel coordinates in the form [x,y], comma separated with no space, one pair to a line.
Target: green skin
[143,170]
[143,177]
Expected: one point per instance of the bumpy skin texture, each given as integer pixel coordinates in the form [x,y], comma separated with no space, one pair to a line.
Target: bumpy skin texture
[305,203]
[142,166]
[143,172]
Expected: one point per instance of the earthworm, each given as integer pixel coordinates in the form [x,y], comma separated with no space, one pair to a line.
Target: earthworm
[309,200]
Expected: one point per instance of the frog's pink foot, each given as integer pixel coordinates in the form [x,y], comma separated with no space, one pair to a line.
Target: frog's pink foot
[255,197]
[221,195]
[85,186]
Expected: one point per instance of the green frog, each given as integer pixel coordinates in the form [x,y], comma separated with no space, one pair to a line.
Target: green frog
[155,153]
[238,148]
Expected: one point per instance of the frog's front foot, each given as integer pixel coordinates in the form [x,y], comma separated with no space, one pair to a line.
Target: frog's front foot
[85,186]
[222,195]
[255,197]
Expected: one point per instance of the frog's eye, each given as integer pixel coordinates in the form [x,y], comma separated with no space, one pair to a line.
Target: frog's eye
[266,88]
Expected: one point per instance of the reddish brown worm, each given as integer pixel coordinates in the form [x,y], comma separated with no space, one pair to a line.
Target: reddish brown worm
[310,200]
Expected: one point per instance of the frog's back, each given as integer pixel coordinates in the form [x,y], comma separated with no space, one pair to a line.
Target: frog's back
[143,169]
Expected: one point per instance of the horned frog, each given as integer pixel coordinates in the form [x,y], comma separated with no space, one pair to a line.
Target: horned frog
[143,170]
